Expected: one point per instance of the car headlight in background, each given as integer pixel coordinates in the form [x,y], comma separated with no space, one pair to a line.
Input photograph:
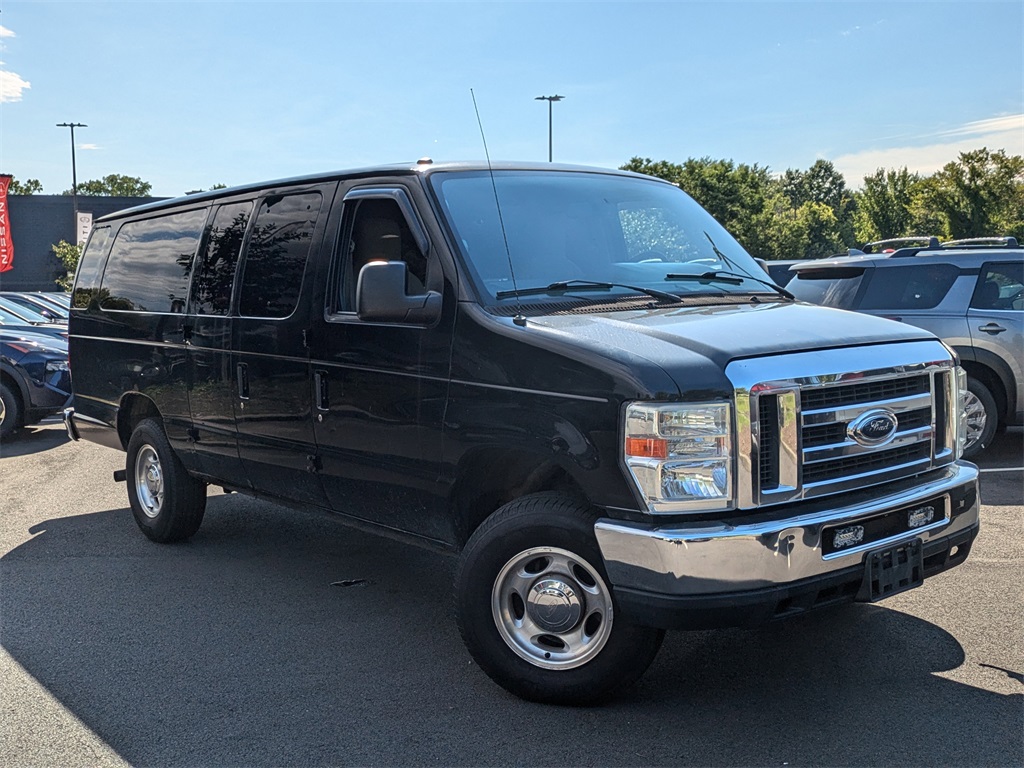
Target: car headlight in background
[680,455]
[53,366]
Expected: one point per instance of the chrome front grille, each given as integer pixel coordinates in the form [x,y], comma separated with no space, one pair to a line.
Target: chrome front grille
[797,418]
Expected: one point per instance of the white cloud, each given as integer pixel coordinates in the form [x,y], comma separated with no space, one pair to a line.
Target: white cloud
[89,146]
[1006,133]
[5,32]
[11,86]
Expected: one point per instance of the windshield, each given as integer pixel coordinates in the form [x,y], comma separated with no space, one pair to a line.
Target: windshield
[627,234]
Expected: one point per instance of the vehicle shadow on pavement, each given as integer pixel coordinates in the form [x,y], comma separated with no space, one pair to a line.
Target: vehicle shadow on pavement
[30,440]
[277,638]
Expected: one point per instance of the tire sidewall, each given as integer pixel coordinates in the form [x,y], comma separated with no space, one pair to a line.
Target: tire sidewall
[184,501]
[988,402]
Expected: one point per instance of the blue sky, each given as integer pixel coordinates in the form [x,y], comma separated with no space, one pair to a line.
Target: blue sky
[190,94]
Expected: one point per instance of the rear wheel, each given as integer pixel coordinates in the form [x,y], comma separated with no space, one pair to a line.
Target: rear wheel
[982,417]
[535,608]
[10,412]
[167,502]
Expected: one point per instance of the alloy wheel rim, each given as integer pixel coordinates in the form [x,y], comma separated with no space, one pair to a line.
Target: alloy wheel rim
[975,418]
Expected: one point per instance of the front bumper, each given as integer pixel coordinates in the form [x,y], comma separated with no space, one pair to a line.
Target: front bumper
[724,572]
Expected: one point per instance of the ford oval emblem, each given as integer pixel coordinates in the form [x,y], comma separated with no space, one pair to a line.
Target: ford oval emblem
[874,427]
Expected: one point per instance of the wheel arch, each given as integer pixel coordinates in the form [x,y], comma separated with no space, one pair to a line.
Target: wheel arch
[134,408]
[490,477]
[995,374]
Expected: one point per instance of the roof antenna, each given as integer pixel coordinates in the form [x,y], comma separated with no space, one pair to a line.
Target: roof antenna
[520,318]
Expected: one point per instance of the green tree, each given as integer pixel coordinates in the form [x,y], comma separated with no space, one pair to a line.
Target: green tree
[114,185]
[27,187]
[886,205]
[68,254]
[823,184]
[980,194]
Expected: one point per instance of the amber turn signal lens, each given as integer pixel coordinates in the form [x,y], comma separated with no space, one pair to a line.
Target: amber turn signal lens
[647,447]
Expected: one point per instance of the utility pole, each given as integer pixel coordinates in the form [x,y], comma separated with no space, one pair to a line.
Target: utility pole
[550,100]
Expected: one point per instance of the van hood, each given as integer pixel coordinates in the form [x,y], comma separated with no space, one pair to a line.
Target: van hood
[677,338]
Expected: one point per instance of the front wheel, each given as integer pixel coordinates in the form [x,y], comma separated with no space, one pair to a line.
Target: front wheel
[535,609]
[167,502]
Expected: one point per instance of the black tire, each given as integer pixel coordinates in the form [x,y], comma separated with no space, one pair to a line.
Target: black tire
[168,503]
[535,610]
[10,412]
[982,418]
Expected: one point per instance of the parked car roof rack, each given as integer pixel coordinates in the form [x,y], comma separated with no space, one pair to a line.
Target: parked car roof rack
[929,241]
[983,242]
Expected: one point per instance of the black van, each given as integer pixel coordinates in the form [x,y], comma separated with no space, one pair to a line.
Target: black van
[575,378]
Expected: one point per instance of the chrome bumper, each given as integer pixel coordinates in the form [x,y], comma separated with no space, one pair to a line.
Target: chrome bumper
[709,558]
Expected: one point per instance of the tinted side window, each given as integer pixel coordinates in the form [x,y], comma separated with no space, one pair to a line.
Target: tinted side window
[150,263]
[920,286]
[275,259]
[211,293]
[1000,286]
[90,268]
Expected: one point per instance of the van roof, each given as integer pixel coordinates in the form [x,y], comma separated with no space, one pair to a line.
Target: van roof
[423,166]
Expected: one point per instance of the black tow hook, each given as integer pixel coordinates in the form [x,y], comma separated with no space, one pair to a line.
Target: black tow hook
[120,475]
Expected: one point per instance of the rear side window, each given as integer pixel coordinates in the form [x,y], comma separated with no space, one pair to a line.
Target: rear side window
[90,268]
[921,286]
[151,261]
[275,258]
[211,292]
[1001,287]
[836,287]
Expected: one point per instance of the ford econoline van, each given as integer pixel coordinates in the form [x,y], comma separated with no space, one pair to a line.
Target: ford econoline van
[573,378]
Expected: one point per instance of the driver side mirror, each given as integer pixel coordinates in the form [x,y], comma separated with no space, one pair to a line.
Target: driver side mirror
[381,296]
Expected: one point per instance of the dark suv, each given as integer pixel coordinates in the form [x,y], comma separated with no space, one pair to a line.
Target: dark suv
[969,293]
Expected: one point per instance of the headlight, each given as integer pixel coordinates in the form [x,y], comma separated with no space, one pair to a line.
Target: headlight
[53,366]
[680,455]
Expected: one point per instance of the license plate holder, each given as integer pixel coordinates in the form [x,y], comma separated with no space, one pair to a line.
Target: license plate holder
[891,570]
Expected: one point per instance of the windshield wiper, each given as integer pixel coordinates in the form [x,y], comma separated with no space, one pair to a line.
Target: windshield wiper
[730,278]
[564,286]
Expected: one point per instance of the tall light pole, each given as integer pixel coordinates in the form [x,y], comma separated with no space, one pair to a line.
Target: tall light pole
[550,100]
[74,171]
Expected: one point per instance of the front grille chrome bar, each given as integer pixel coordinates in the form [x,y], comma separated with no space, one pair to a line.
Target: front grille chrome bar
[793,414]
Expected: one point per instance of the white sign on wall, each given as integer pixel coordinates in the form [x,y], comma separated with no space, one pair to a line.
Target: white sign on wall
[84,227]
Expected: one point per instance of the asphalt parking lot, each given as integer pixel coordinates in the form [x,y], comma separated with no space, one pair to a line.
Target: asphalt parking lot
[243,647]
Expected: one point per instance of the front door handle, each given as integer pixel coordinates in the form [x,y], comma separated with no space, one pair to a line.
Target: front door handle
[242,375]
[992,328]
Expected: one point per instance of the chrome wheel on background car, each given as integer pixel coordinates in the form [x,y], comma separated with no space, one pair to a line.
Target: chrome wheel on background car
[980,417]
[552,608]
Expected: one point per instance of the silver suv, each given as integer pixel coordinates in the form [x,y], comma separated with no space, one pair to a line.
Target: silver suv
[969,293]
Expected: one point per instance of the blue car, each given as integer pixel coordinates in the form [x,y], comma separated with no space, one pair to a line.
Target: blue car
[35,381]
